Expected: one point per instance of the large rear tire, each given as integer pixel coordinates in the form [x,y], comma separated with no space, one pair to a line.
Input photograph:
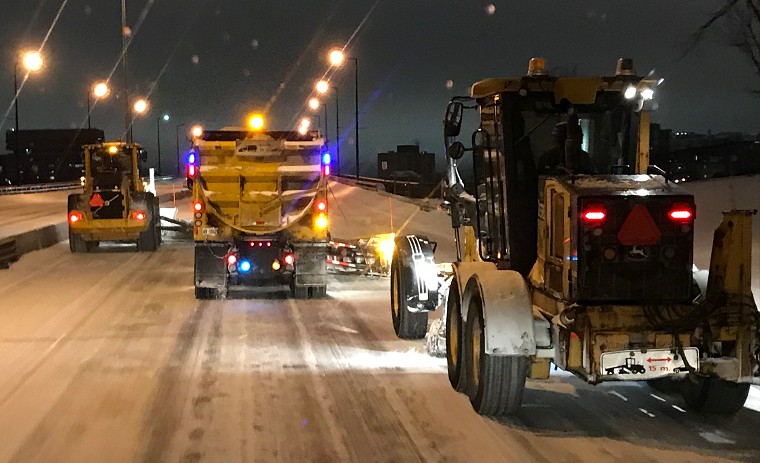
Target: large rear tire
[495,384]
[454,346]
[205,293]
[147,241]
[406,324]
[78,244]
[714,396]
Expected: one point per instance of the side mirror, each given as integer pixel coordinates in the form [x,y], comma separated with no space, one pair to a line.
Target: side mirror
[455,150]
[452,124]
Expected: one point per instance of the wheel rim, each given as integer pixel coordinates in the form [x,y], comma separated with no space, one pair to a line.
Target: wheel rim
[453,337]
[395,286]
[477,334]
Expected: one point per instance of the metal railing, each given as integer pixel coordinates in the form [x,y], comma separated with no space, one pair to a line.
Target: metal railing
[40,187]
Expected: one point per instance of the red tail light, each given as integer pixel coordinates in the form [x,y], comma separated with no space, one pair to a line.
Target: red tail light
[198,206]
[289,259]
[327,170]
[75,216]
[191,170]
[681,213]
[231,259]
[595,214]
[321,205]
[138,215]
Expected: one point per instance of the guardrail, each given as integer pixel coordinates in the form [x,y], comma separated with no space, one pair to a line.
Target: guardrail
[40,187]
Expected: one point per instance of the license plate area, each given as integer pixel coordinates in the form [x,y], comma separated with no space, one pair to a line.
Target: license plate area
[209,231]
[633,365]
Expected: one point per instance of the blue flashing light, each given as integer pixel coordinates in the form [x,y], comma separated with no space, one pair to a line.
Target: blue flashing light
[191,158]
[326,159]
[244,266]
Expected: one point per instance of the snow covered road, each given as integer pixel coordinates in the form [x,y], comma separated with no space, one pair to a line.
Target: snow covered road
[108,357]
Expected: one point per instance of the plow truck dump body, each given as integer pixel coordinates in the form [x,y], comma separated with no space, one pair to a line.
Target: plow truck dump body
[260,211]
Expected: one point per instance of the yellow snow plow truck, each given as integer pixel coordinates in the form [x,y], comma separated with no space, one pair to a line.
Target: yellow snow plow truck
[114,205]
[573,250]
[260,211]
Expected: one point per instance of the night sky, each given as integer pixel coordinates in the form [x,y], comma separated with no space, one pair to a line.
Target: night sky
[215,61]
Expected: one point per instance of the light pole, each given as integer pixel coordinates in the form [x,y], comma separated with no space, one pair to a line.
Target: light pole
[314,104]
[179,162]
[336,58]
[164,118]
[99,90]
[32,62]
[323,87]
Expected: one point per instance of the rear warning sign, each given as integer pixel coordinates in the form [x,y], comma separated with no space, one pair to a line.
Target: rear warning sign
[654,363]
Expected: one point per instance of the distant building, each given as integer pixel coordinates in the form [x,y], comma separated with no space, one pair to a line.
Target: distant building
[45,155]
[692,156]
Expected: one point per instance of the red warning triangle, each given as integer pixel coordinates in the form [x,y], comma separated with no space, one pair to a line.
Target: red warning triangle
[639,228]
[96,200]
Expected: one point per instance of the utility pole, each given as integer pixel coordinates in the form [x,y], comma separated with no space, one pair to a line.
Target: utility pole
[127,122]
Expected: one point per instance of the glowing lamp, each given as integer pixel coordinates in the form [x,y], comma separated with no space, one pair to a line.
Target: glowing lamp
[244,266]
[321,221]
[681,213]
[75,216]
[594,214]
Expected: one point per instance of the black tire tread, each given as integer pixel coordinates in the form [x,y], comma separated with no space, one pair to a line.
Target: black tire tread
[407,325]
[714,396]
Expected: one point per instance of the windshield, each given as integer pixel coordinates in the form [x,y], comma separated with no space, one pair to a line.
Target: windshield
[108,169]
[606,126]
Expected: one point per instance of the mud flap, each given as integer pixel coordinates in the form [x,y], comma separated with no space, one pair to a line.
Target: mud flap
[210,271]
[311,268]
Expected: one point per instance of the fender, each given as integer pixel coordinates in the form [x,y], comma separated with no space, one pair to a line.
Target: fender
[462,273]
[507,312]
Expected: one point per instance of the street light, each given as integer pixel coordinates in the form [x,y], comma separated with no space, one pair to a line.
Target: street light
[32,62]
[336,58]
[314,103]
[179,161]
[140,106]
[164,118]
[99,90]
[322,86]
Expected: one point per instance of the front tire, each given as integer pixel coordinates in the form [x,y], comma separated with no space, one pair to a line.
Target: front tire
[495,384]
[454,346]
[406,324]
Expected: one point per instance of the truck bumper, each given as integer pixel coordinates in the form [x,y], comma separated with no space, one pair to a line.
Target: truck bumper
[109,229]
